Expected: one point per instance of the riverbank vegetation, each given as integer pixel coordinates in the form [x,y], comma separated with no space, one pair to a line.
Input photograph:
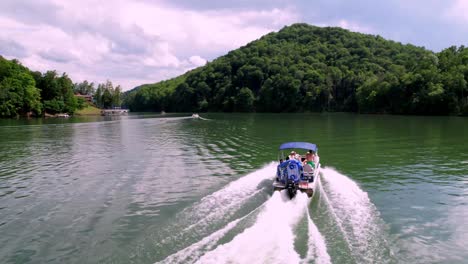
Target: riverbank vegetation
[27,93]
[106,96]
[88,110]
[308,68]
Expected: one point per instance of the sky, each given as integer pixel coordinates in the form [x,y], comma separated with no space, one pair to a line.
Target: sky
[132,42]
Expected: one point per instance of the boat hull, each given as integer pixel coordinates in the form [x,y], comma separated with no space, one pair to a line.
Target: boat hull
[309,189]
[304,186]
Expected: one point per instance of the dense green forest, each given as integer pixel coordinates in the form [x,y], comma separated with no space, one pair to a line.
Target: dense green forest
[24,92]
[308,68]
[104,96]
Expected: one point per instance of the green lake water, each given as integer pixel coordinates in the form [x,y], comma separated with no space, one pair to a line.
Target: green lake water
[174,189]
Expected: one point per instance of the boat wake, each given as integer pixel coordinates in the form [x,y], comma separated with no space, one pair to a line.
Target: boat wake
[197,116]
[355,217]
[317,248]
[269,240]
[341,225]
[206,220]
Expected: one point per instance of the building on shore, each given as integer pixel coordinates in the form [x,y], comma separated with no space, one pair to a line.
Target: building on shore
[86,97]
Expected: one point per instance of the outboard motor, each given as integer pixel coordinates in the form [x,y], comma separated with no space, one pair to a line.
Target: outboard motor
[292,189]
[289,173]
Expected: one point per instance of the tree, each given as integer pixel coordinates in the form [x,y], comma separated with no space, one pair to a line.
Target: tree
[245,100]
[84,88]
[19,95]
[69,99]
[107,99]
[18,92]
[98,95]
[49,86]
[184,98]
[117,96]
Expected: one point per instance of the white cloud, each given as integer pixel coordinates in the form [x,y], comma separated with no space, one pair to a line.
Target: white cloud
[11,48]
[458,12]
[206,31]
[347,24]
[125,41]
[353,26]
[197,61]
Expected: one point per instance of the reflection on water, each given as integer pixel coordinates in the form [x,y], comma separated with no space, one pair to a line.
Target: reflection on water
[110,189]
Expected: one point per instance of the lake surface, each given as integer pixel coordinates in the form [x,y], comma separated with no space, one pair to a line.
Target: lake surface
[173,189]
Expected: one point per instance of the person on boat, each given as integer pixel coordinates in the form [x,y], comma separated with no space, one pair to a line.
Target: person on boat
[310,158]
[298,157]
[292,155]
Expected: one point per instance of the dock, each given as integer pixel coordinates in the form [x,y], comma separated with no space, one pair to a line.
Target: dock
[114,112]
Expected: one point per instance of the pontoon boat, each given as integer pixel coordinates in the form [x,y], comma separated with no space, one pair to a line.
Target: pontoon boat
[295,171]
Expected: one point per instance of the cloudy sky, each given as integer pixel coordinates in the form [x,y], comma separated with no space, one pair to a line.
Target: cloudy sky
[132,42]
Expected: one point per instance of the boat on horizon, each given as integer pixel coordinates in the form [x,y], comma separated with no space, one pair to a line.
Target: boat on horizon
[297,172]
[195,115]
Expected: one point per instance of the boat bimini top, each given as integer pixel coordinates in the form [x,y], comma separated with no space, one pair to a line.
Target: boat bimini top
[299,145]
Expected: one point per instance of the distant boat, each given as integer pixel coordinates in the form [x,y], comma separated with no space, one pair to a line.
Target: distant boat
[195,115]
[63,115]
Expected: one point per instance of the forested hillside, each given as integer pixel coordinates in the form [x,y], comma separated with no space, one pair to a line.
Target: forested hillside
[25,93]
[18,91]
[308,68]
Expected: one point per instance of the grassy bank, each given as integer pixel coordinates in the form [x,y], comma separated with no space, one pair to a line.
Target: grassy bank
[89,110]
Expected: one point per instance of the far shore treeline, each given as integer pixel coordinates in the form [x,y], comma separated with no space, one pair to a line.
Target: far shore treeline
[307,68]
[27,93]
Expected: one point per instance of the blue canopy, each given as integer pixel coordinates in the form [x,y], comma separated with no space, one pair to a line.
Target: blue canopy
[299,145]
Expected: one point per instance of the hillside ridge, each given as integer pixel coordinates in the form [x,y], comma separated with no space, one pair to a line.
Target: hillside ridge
[308,68]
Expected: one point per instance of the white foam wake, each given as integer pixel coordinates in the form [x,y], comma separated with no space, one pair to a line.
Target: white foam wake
[194,251]
[356,217]
[225,202]
[269,240]
[317,248]
[210,214]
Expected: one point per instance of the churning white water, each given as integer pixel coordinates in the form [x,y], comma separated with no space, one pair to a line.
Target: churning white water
[225,202]
[317,248]
[214,210]
[270,237]
[356,217]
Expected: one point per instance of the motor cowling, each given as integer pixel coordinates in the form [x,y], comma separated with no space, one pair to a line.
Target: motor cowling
[294,170]
[289,173]
[290,170]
